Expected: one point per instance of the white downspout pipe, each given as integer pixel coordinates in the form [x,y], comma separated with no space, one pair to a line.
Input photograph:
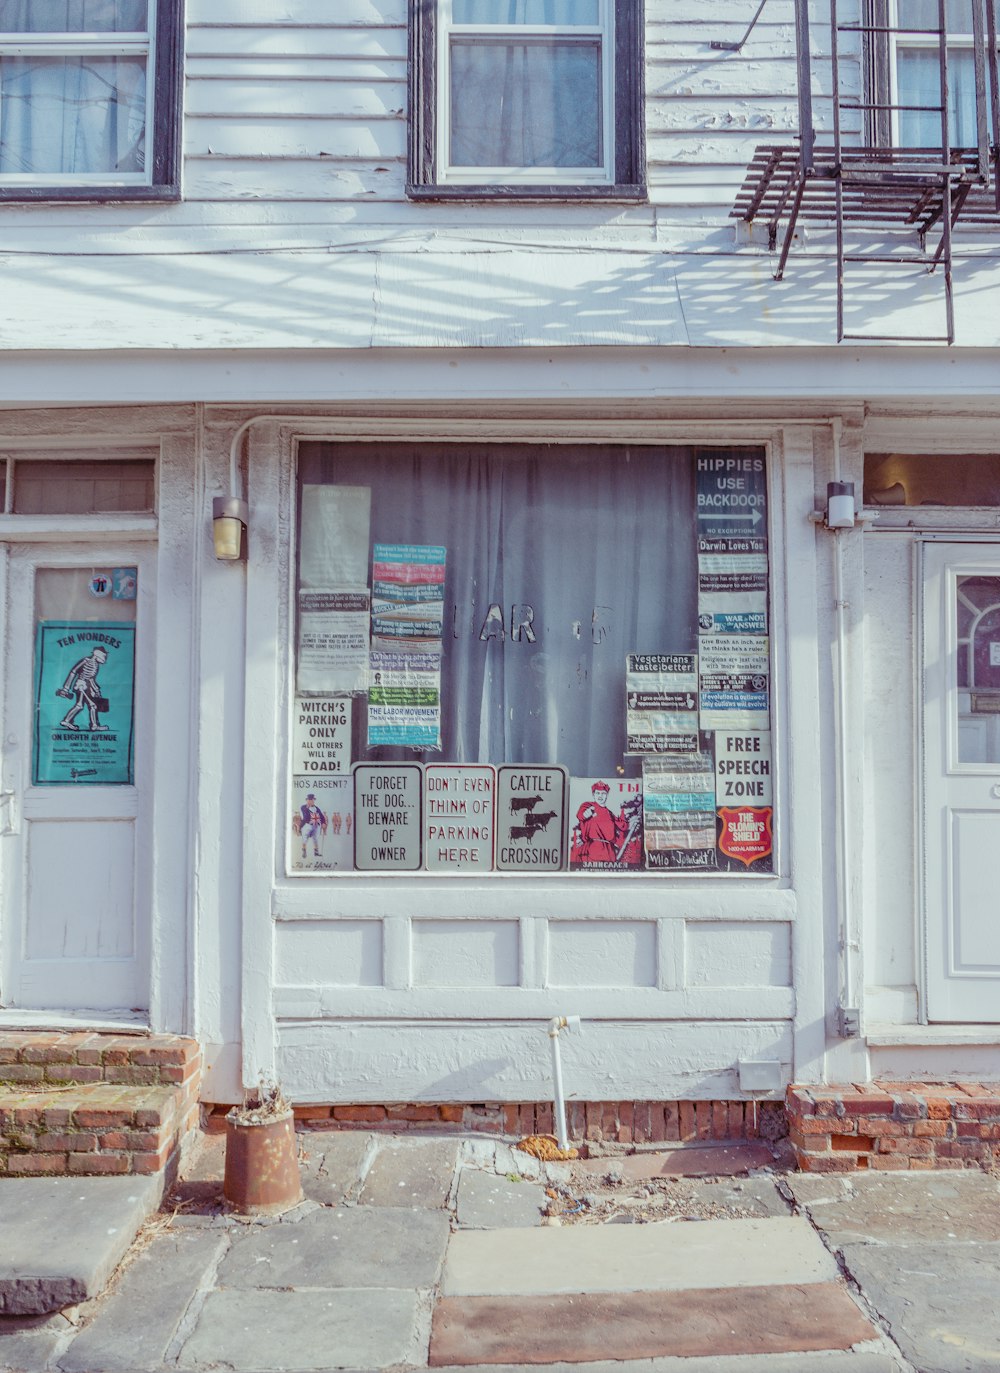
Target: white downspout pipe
[556,1025]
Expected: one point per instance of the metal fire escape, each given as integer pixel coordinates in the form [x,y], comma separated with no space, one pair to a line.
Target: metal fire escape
[871,189]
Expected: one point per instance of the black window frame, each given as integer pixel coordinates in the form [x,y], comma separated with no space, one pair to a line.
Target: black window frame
[167,87]
[629,119]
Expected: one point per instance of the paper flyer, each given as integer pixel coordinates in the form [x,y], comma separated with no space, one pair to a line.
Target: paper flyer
[734,675]
[84,703]
[321,735]
[605,824]
[679,811]
[322,824]
[333,641]
[662,703]
[404,694]
[732,593]
[333,543]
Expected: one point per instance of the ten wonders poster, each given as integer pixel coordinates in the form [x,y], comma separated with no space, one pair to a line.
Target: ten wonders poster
[84,703]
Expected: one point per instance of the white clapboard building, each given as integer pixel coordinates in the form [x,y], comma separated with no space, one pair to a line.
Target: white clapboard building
[500,521]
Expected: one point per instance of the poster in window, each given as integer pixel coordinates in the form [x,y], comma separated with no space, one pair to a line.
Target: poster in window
[321,735]
[679,812]
[84,703]
[322,824]
[404,706]
[606,820]
[662,703]
[731,494]
[333,544]
[333,641]
[744,795]
[531,818]
[459,809]
[734,677]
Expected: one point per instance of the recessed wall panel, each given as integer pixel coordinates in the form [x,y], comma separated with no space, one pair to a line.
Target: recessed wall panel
[466,953]
[336,953]
[730,954]
[602,953]
[80,889]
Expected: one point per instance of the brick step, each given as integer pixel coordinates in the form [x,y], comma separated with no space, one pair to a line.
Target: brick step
[93,1128]
[895,1125]
[82,1103]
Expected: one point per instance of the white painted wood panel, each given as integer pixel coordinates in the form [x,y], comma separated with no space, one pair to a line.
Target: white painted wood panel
[602,953]
[94,916]
[734,954]
[345,954]
[459,1062]
[465,953]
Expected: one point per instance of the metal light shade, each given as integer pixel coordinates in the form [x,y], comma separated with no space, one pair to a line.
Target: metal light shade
[229,521]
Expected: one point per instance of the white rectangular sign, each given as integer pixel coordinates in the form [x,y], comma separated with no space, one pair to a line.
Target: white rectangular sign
[459,806]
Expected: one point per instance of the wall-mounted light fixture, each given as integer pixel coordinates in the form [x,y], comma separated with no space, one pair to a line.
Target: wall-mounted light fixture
[230,515]
[840,512]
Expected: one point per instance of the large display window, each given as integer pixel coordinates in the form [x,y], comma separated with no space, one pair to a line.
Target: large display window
[531,658]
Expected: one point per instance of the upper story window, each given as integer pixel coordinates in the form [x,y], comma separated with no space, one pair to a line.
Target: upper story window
[916,67]
[526,98]
[89,99]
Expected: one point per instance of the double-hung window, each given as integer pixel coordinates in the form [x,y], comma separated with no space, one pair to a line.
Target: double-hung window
[914,61]
[89,98]
[526,98]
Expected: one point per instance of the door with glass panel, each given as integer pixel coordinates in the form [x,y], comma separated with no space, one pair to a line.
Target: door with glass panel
[961,710]
[75,802]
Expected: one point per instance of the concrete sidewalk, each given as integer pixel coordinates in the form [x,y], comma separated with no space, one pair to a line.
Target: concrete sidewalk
[415,1252]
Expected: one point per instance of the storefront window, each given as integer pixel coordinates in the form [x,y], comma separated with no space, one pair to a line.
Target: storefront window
[531,658]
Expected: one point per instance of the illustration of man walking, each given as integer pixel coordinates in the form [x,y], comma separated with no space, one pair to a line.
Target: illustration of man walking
[82,687]
[313,823]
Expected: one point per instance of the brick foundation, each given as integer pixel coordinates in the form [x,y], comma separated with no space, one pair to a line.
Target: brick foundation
[85,1103]
[610,1122]
[894,1125]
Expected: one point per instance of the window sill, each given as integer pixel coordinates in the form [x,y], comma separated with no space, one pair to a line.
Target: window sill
[101,195]
[516,191]
[926,1036]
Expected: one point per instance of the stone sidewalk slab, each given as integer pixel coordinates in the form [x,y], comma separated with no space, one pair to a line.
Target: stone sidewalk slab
[250,1331]
[800,1362]
[902,1208]
[411,1173]
[350,1247]
[687,1162]
[486,1202]
[940,1301]
[332,1163]
[659,1257]
[30,1342]
[645,1325]
[134,1328]
[62,1238]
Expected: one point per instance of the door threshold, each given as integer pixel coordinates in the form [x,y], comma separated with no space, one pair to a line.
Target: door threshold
[99,1022]
[926,1036]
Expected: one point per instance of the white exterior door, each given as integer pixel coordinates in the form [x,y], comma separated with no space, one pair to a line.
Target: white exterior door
[74,821]
[961,715]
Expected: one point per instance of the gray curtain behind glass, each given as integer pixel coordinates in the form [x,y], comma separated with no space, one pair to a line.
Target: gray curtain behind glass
[598,541]
[66,114]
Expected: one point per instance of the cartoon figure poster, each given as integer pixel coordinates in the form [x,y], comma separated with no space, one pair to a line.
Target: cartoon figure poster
[322,824]
[84,703]
[606,824]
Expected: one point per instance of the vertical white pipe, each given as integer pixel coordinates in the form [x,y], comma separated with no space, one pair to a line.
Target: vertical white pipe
[559,1104]
[846,912]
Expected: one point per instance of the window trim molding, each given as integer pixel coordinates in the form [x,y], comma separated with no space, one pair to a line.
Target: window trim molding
[167,42]
[629,120]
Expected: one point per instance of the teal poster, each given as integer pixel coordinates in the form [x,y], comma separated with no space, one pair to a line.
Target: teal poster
[84,703]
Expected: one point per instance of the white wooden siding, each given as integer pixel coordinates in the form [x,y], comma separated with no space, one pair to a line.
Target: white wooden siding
[295,117]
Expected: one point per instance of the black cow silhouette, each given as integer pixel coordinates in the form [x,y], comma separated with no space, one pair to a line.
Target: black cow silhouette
[524,803]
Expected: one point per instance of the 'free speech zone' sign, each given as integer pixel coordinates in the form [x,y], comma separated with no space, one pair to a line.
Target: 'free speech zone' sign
[387,817]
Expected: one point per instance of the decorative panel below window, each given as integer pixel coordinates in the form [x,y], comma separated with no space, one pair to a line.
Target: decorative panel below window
[531,658]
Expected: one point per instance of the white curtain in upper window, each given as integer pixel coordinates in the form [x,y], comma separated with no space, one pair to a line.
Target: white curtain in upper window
[64,115]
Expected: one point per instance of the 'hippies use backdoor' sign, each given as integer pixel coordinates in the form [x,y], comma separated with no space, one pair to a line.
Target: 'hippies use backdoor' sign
[84,679]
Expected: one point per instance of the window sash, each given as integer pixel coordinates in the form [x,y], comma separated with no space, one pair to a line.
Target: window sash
[907,43]
[90,44]
[497,35]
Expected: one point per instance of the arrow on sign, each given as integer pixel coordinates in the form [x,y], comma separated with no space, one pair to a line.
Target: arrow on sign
[756,516]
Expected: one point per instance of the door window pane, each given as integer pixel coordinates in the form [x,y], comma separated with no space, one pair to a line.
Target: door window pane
[531,104]
[978,669]
[83,488]
[948,479]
